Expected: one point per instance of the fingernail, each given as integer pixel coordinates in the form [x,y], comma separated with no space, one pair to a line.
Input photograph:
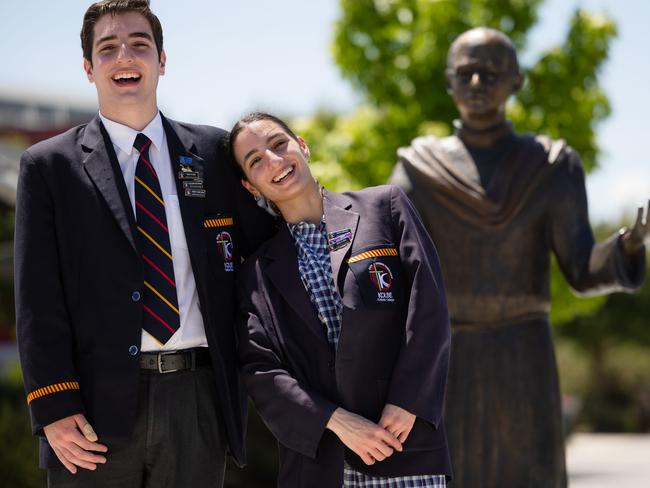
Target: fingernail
[89,433]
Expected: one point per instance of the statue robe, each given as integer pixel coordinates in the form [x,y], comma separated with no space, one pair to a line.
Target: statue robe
[494,238]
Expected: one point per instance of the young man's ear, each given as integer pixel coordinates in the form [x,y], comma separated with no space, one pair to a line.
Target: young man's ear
[163,62]
[88,68]
[251,189]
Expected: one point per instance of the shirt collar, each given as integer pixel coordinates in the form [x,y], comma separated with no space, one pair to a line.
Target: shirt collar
[124,136]
[302,227]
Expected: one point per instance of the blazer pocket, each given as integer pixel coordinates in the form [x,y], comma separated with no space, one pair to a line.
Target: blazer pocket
[220,232]
[378,271]
[423,435]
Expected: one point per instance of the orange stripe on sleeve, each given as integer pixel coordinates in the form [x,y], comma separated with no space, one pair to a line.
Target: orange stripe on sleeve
[51,389]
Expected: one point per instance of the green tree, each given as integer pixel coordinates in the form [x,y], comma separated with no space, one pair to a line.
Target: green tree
[394,53]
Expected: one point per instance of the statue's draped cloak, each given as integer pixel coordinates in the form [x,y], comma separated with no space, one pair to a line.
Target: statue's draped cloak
[495,240]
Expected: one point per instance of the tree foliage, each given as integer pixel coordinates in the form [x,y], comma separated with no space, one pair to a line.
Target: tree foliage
[394,52]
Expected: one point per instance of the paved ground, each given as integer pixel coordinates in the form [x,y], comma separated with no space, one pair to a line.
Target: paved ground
[608,460]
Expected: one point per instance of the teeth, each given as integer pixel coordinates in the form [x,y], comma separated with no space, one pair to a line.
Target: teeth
[122,76]
[282,176]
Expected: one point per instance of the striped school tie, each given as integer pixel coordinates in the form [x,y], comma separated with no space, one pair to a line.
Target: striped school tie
[161,317]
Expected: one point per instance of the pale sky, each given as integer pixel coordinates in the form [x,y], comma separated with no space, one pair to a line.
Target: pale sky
[227,58]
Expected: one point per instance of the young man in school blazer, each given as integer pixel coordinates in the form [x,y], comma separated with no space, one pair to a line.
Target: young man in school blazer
[129,231]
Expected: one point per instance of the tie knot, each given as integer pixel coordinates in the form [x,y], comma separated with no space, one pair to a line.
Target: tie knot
[142,142]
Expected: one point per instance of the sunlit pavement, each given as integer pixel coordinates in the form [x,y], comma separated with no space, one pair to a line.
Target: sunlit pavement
[608,460]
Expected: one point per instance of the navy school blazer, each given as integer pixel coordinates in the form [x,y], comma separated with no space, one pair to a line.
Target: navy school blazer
[77,271]
[393,347]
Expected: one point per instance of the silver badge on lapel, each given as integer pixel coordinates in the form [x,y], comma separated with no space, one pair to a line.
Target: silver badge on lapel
[339,239]
[191,178]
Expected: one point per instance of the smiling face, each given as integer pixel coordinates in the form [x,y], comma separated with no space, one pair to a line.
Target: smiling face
[482,73]
[125,65]
[275,164]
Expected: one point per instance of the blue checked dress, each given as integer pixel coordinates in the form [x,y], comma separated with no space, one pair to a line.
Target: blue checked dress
[316,274]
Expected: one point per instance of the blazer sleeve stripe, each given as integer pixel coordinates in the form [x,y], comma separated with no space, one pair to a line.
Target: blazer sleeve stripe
[386,251]
[50,389]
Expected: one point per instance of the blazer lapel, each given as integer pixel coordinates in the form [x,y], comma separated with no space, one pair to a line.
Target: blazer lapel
[192,208]
[102,167]
[339,218]
[281,266]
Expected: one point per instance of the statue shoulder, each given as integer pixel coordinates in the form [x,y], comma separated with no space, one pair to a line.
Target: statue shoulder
[557,150]
[563,162]
[426,145]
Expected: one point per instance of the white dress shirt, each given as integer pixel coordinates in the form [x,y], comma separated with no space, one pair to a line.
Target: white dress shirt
[191,332]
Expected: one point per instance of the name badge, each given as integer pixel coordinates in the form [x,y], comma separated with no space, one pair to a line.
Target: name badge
[194,192]
[193,184]
[339,239]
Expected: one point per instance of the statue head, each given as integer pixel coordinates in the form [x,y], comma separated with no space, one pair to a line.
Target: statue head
[482,73]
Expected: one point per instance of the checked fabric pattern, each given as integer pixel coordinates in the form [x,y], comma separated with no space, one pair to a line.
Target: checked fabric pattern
[160,300]
[315,270]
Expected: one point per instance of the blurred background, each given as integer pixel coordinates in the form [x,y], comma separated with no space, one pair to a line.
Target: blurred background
[360,78]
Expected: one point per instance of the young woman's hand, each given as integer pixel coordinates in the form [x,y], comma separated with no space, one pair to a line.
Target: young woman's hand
[367,439]
[397,421]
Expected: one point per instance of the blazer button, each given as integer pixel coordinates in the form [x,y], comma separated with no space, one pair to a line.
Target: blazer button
[133,350]
[135,296]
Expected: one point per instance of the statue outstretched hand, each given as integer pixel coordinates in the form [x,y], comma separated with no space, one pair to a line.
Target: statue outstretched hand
[635,238]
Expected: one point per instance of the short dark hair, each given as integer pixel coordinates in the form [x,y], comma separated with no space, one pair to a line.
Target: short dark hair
[115,7]
[245,121]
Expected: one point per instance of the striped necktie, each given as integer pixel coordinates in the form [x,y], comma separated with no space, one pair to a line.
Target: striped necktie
[161,317]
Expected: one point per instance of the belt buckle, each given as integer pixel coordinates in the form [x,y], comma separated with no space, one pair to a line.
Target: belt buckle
[159,362]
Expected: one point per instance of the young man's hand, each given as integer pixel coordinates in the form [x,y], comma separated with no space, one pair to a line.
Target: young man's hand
[74,440]
[397,421]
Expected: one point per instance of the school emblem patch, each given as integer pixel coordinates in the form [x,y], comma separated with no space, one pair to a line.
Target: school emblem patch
[225,248]
[382,279]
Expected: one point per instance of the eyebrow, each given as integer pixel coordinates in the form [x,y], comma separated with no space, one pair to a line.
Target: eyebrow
[268,139]
[144,35]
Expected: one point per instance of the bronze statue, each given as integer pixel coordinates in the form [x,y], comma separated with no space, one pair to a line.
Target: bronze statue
[497,204]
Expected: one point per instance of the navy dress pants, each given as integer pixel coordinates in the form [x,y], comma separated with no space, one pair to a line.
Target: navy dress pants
[176,441]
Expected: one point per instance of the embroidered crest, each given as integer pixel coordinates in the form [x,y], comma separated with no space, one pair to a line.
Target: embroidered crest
[225,248]
[382,279]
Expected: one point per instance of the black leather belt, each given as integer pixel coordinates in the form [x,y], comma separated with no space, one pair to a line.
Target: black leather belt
[170,361]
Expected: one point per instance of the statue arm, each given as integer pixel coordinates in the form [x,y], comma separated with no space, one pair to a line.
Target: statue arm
[590,268]
[635,239]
